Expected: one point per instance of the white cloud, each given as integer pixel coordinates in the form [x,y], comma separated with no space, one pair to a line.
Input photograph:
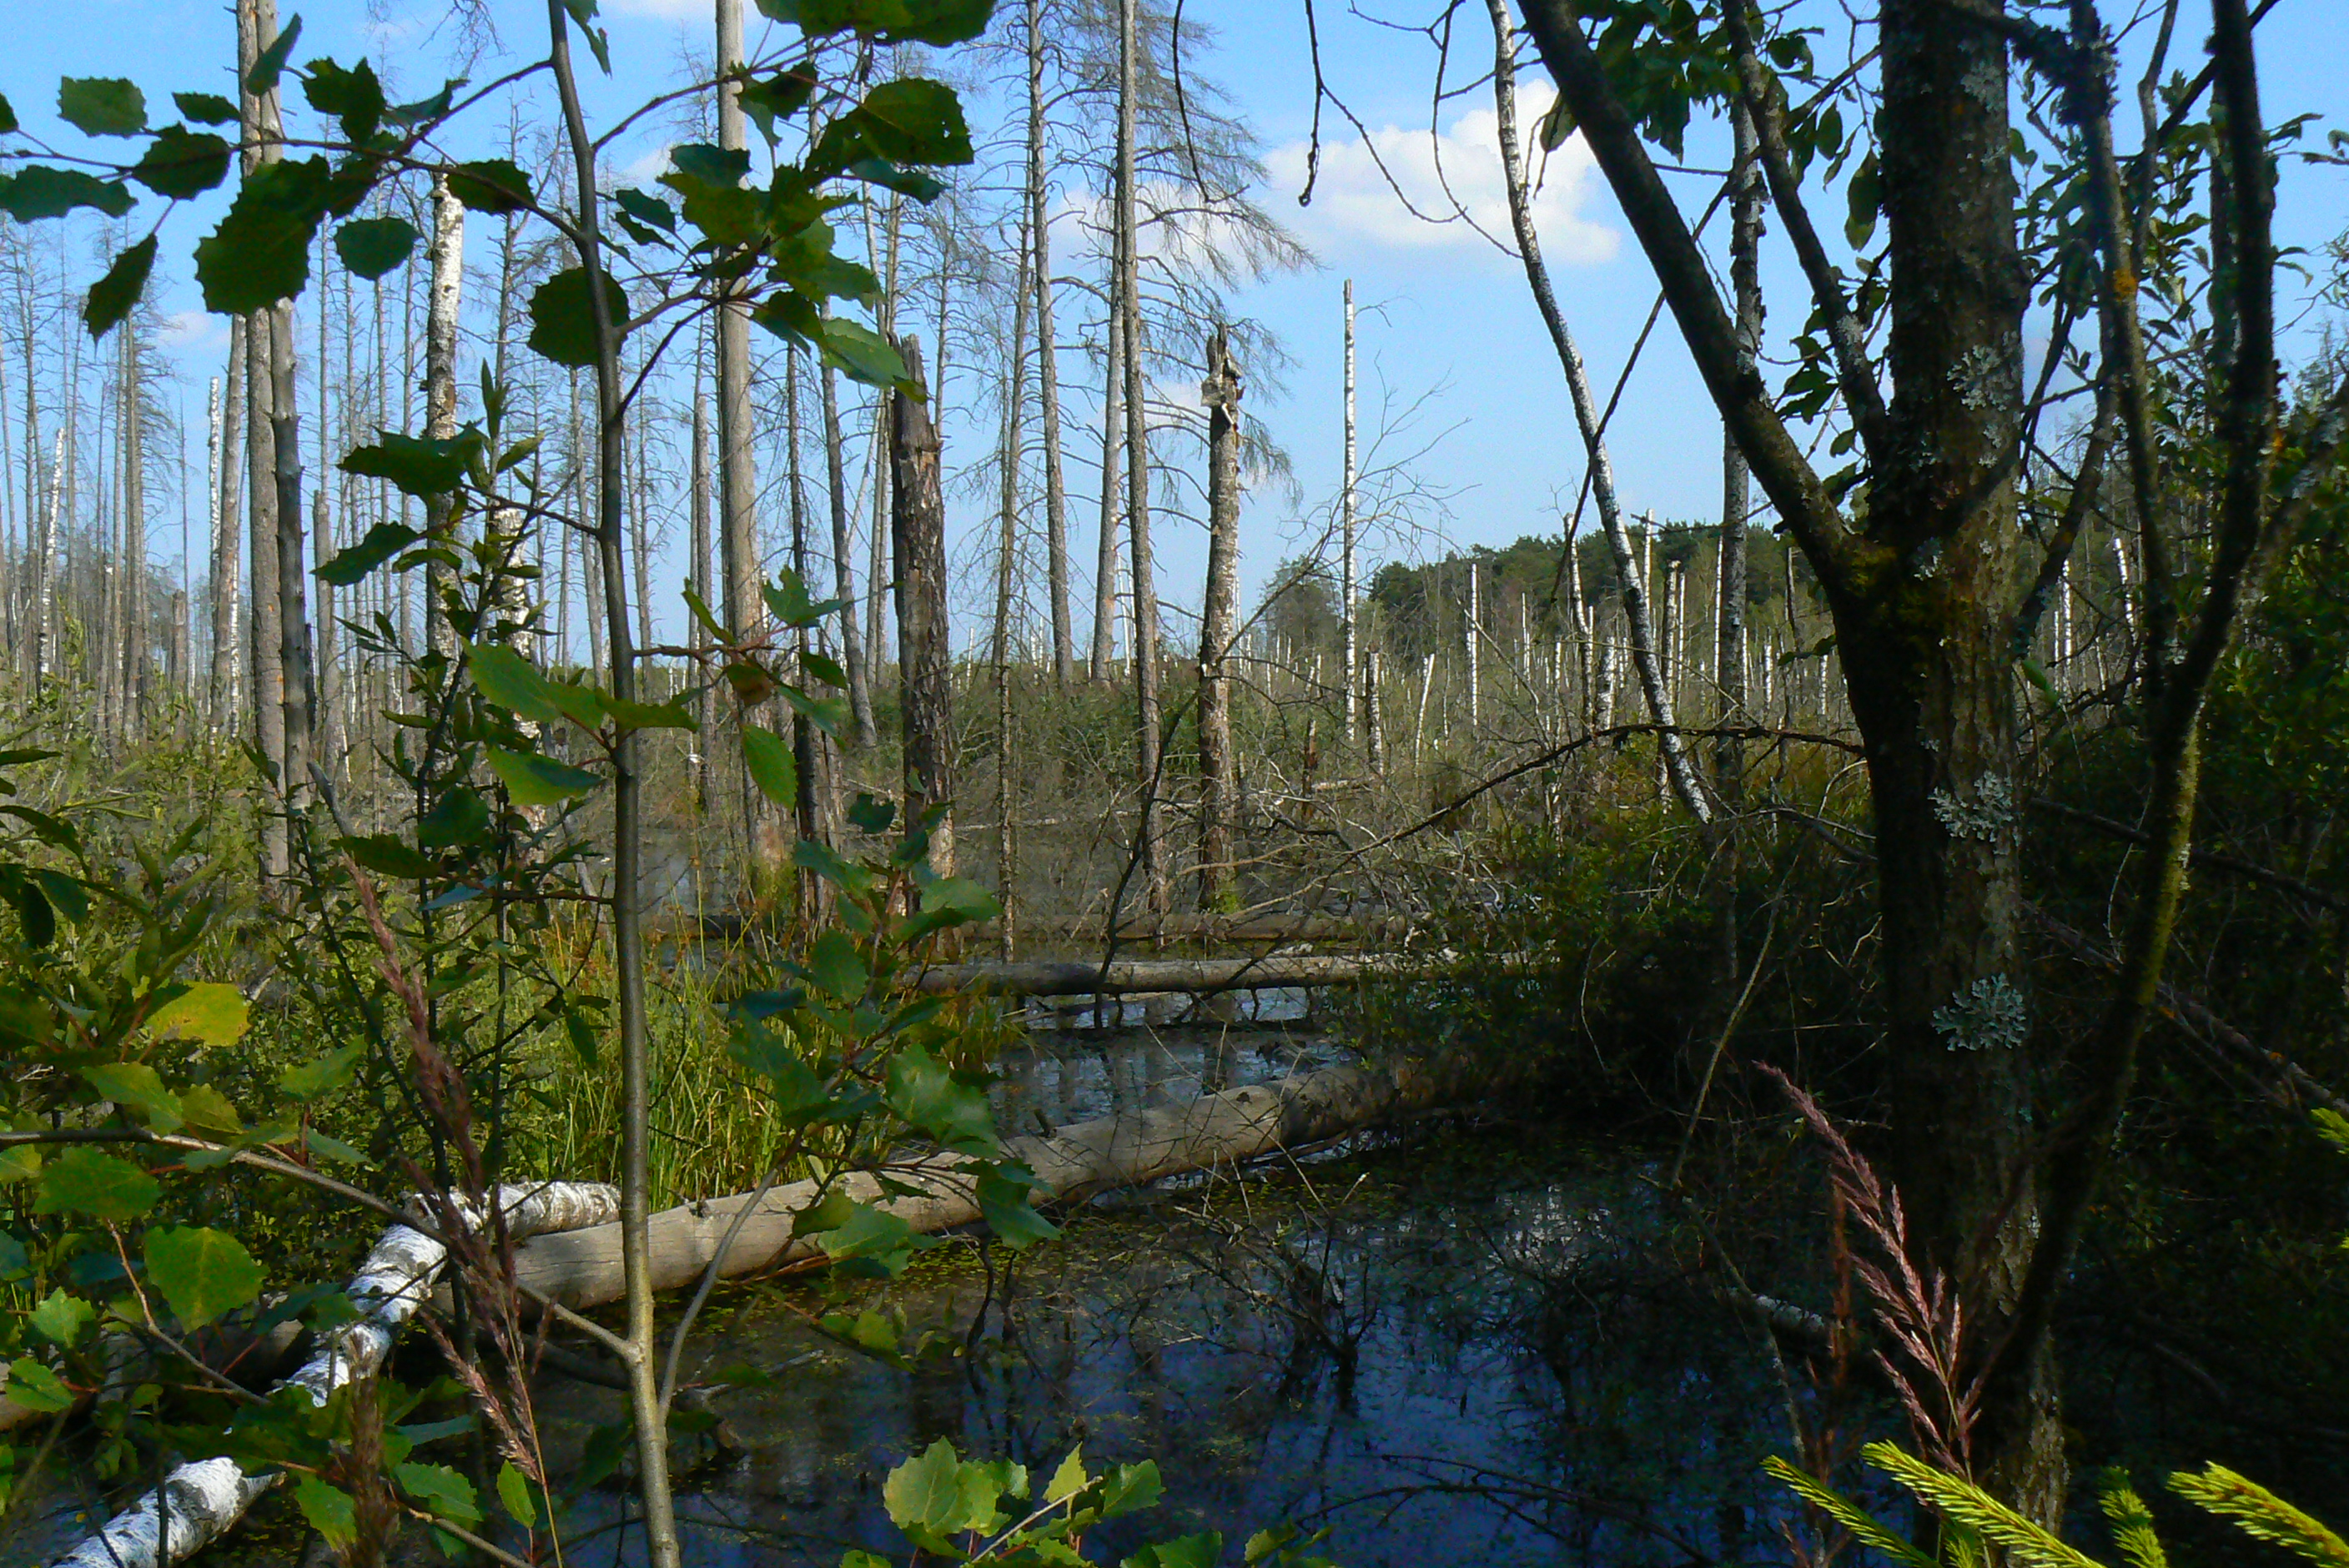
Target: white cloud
[194,332]
[1457,170]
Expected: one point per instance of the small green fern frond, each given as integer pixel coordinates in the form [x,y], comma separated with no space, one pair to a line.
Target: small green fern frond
[2331,1126]
[1864,1527]
[1964,1503]
[2261,1513]
[2132,1532]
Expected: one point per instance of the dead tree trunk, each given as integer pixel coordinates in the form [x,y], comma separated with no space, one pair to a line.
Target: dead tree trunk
[852,648]
[1219,614]
[1147,759]
[444,302]
[1048,375]
[1006,561]
[265,686]
[925,658]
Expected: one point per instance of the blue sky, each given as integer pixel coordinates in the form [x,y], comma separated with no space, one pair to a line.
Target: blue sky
[1455,369]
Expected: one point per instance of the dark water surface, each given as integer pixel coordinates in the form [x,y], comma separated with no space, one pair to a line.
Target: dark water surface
[1455,1350]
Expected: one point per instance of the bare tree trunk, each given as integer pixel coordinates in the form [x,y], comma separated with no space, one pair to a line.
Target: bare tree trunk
[443,306]
[853,647]
[737,495]
[1008,548]
[227,476]
[1219,614]
[1680,775]
[266,683]
[294,653]
[132,598]
[1137,479]
[698,578]
[1048,375]
[325,742]
[809,757]
[1348,657]
[877,574]
[1736,500]
[1104,649]
[925,656]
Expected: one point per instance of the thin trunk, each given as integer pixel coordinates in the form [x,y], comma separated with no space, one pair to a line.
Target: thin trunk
[698,578]
[266,685]
[1137,477]
[1008,556]
[738,498]
[228,410]
[1104,650]
[1678,771]
[1048,375]
[852,645]
[808,756]
[647,1401]
[444,306]
[918,522]
[1347,657]
[1220,612]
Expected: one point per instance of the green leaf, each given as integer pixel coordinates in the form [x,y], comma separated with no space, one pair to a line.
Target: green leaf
[332,1149]
[772,768]
[202,1272]
[371,247]
[439,1490]
[329,1510]
[102,106]
[13,1264]
[387,855]
[37,192]
[648,715]
[261,80]
[383,542]
[1006,1201]
[312,1080]
[835,964]
[180,163]
[139,1087]
[535,781]
[906,120]
[1128,1489]
[205,108]
[597,41]
[1200,1550]
[491,185]
[514,1491]
[511,682]
[460,817]
[83,1181]
[1070,1479]
[934,22]
[646,209]
[933,1098]
[861,354]
[207,1012]
[36,1388]
[111,297]
[208,1113]
[60,1318]
[260,252]
[562,317]
[925,1491]
[352,96]
[421,465]
[8,125]
[874,1237]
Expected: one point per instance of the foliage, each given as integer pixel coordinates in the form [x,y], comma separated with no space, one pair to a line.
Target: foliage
[973,1512]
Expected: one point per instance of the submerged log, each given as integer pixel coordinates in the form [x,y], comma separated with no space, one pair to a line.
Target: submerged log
[582,1268]
[1126,976]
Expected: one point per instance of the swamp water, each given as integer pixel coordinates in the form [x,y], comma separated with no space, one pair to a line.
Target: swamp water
[1455,1350]
[1466,1348]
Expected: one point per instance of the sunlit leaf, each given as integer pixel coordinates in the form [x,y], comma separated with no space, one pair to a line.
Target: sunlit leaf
[202,1272]
[84,1181]
[207,1012]
[60,1317]
[329,1510]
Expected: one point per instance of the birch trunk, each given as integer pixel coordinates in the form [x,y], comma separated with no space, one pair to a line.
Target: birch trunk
[444,304]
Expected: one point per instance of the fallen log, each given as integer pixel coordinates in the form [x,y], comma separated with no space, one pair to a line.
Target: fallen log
[1125,976]
[1090,927]
[582,1268]
[196,1503]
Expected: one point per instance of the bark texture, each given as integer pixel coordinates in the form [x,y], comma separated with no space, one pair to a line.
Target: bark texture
[919,529]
